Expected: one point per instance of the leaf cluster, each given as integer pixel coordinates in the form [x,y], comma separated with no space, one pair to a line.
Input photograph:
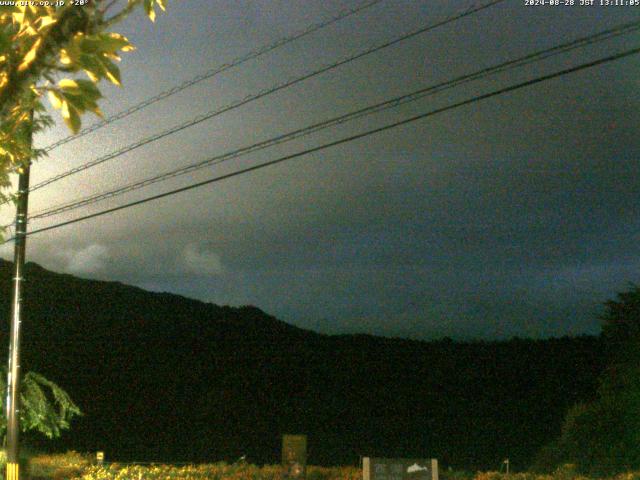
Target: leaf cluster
[43,49]
[44,406]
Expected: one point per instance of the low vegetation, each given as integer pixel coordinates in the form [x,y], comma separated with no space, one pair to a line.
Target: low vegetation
[73,465]
[59,466]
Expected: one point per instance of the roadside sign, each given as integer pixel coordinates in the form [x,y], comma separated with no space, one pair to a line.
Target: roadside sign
[399,468]
[294,456]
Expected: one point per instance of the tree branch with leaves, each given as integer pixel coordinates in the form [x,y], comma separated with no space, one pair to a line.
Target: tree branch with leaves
[61,52]
[45,406]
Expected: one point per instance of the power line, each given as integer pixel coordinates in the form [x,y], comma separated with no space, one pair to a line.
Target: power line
[213,72]
[261,94]
[392,103]
[351,138]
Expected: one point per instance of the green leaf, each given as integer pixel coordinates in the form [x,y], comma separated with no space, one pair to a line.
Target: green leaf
[149,10]
[80,87]
[89,89]
[56,99]
[30,56]
[92,66]
[71,116]
[112,72]
[105,43]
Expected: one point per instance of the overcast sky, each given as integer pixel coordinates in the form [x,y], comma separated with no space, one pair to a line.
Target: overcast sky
[517,215]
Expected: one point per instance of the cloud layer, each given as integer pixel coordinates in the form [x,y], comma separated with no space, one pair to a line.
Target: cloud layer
[513,216]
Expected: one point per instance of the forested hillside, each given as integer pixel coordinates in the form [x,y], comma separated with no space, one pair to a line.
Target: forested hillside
[162,377]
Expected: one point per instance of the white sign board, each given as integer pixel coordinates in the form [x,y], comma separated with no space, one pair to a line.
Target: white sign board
[399,468]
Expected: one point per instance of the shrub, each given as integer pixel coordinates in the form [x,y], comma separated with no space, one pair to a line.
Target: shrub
[59,466]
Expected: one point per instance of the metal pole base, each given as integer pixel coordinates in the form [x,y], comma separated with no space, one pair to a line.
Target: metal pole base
[13,471]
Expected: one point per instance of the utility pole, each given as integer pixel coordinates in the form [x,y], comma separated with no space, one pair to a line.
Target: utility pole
[13,371]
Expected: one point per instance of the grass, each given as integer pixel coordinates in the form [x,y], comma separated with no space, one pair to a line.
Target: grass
[219,471]
[73,465]
[58,466]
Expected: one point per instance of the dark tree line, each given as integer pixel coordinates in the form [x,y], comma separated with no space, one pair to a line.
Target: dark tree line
[603,436]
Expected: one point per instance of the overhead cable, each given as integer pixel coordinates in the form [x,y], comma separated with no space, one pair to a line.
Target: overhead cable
[212,73]
[394,102]
[256,96]
[344,140]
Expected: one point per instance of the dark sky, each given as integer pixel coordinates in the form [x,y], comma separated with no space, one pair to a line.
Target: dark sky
[517,215]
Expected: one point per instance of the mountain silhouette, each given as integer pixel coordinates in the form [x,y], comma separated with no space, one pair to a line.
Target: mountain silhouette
[161,377]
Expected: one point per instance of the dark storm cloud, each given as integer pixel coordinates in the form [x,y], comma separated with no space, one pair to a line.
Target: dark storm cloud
[513,216]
